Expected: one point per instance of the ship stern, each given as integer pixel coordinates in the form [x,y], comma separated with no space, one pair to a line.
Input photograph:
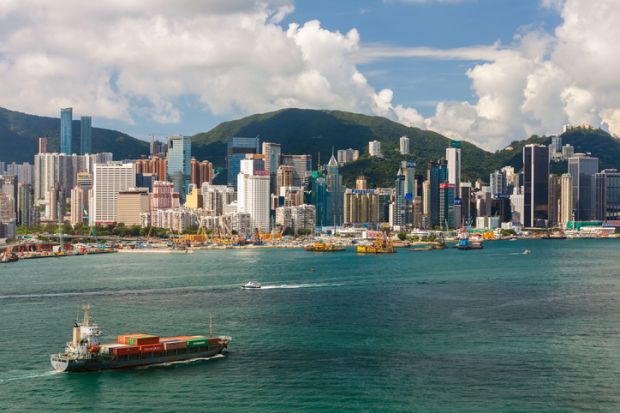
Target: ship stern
[59,362]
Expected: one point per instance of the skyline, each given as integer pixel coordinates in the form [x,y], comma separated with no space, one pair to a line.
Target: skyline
[165,69]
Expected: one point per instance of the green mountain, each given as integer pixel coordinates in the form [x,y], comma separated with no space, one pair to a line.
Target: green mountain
[318,131]
[19,133]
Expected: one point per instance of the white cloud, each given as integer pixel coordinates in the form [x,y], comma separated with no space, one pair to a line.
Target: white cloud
[121,58]
[126,57]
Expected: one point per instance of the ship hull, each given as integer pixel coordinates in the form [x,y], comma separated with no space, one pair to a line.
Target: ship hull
[62,362]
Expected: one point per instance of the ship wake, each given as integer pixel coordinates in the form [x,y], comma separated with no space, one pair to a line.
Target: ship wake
[19,376]
[291,286]
[181,362]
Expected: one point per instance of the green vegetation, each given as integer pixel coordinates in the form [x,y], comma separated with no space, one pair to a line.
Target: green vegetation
[19,133]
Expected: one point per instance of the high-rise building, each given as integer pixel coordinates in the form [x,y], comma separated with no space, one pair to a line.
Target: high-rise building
[253,194]
[79,201]
[582,169]
[42,145]
[453,156]
[216,197]
[25,215]
[535,185]
[408,169]
[271,152]
[66,131]
[335,191]
[302,165]
[437,175]
[285,176]
[361,206]
[108,180]
[374,148]
[498,184]
[156,166]
[404,145]
[607,202]
[201,172]
[86,135]
[468,203]
[131,204]
[555,197]
[179,162]
[163,196]
[446,205]
[158,148]
[237,148]
[9,186]
[399,206]
[566,199]
[347,155]
[301,217]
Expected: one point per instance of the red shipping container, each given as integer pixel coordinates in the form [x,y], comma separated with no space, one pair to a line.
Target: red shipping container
[151,348]
[175,345]
[213,341]
[144,340]
[125,351]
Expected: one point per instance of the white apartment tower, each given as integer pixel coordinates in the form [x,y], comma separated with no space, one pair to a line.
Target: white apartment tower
[253,194]
[453,156]
[404,145]
[374,148]
[109,179]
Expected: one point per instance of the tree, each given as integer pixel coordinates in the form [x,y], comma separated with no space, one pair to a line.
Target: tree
[402,235]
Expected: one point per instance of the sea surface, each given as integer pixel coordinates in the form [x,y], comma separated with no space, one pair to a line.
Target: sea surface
[441,331]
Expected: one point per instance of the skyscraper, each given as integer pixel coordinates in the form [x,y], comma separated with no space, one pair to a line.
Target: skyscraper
[566,199]
[334,188]
[253,185]
[404,145]
[302,165]
[437,175]
[446,205]
[374,148]
[582,169]
[66,121]
[399,206]
[179,162]
[237,148]
[453,156]
[607,203]
[108,180]
[86,135]
[535,185]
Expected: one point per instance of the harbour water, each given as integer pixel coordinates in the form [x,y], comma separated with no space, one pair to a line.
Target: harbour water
[480,331]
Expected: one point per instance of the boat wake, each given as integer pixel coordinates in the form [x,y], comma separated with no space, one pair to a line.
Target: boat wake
[292,286]
[181,362]
[27,376]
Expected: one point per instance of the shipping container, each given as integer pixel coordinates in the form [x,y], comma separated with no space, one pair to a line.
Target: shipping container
[125,351]
[177,338]
[196,342]
[151,348]
[175,345]
[214,341]
[143,340]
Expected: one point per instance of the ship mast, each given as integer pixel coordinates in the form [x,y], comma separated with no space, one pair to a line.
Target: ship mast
[86,320]
[210,325]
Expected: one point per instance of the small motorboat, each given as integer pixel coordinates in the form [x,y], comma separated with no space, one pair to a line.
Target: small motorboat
[251,285]
[527,252]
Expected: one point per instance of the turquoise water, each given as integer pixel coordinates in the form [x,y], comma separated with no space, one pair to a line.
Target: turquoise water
[479,331]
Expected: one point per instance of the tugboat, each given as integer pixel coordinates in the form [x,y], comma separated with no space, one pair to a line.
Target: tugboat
[85,353]
[465,244]
[381,245]
[320,246]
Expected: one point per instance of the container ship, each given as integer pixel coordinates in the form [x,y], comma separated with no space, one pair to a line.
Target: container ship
[85,353]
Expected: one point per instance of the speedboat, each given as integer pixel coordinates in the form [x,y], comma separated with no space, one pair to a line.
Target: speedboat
[527,252]
[251,285]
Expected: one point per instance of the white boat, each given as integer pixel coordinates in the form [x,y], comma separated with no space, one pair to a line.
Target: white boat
[527,252]
[251,285]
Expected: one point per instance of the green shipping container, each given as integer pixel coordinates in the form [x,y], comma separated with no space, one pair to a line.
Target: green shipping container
[197,342]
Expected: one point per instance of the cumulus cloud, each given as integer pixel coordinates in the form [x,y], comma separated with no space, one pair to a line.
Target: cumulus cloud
[123,58]
[120,58]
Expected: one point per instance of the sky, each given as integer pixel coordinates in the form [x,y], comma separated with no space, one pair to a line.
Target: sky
[485,71]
